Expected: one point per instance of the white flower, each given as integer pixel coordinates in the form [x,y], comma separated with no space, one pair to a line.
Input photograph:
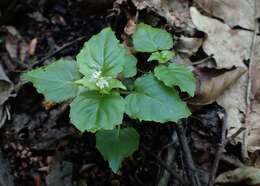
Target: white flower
[95,76]
[102,83]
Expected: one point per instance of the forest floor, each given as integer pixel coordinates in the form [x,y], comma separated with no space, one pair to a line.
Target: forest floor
[218,39]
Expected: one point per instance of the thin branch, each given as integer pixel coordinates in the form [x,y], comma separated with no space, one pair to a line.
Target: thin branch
[58,50]
[191,171]
[219,151]
[164,165]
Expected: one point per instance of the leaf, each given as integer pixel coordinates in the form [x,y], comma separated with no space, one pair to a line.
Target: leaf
[249,175]
[177,75]
[161,57]
[56,81]
[175,12]
[115,145]
[228,10]
[90,85]
[129,69]
[222,41]
[188,46]
[149,39]
[6,86]
[213,83]
[102,53]
[153,101]
[92,111]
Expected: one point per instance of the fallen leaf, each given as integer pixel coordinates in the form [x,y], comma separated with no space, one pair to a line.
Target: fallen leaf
[222,41]
[249,175]
[234,102]
[32,46]
[14,43]
[175,12]
[6,86]
[213,83]
[188,45]
[233,12]
[253,139]
[130,27]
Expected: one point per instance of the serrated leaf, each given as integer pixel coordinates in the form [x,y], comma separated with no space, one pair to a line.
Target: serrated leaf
[92,111]
[153,101]
[56,81]
[116,145]
[149,39]
[177,75]
[161,57]
[102,53]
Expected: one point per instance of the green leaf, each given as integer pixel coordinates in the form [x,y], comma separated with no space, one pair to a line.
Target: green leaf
[92,111]
[177,75]
[102,53]
[161,57]
[129,69]
[149,39]
[153,101]
[92,85]
[115,145]
[56,81]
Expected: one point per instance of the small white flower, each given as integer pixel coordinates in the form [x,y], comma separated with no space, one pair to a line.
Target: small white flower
[95,76]
[102,83]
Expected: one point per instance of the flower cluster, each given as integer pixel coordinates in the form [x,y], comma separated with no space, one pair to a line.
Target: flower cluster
[100,81]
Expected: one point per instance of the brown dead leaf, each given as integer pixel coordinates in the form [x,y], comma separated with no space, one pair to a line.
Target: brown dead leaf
[130,27]
[6,86]
[212,84]
[32,46]
[249,175]
[175,12]
[234,102]
[253,140]
[188,45]
[233,12]
[222,41]
[47,105]
[14,43]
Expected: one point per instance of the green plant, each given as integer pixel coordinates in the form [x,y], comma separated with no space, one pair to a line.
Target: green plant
[93,82]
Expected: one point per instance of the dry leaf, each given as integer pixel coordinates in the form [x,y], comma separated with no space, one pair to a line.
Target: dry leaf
[6,86]
[130,27]
[222,41]
[249,175]
[234,102]
[32,46]
[188,45]
[175,12]
[233,12]
[253,140]
[213,83]
[14,43]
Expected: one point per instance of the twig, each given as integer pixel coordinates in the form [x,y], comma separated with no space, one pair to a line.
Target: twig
[59,49]
[219,152]
[191,171]
[169,159]
[164,165]
[203,60]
